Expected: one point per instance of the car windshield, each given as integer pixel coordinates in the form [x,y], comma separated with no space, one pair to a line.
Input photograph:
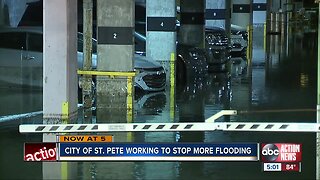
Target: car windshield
[80,44]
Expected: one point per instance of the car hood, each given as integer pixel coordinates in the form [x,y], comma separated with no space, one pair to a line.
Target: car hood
[237,28]
[215,28]
[142,62]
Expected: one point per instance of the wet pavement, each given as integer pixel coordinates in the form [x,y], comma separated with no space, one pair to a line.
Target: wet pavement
[279,85]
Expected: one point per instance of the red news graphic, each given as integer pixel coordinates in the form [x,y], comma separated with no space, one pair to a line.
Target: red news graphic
[40,152]
[291,167]
[281,152]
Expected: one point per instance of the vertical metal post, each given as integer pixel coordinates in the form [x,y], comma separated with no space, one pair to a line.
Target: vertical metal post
[172,86]
[318,92]
[227,27]
[264,36]
[318,106]
[130,94]
[87,54]
[249,47]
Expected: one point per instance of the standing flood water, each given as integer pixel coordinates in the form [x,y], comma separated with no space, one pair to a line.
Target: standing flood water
[282,88]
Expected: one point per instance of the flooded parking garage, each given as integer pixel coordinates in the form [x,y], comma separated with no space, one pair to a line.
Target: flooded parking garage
[275,83]
[281,88]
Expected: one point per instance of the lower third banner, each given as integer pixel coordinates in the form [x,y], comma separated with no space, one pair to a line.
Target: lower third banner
[157,152]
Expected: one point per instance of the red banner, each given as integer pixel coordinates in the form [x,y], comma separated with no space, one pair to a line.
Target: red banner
[40,152]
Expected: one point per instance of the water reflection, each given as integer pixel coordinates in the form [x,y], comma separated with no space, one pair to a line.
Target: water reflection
[149,103]
[283,82]
[293,74]
[150,108]
[20,100]
[191,106]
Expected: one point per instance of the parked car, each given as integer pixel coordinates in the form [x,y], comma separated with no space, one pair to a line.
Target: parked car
[191,61]
[21,60]
[191,64]
[235,29]
[239,40]
[217,37]
[218,49]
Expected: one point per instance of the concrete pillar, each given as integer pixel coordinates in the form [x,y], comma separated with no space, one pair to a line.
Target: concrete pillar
[58,170]
[87,34]
[275,5]
[242,16]
[228,18]
[192,23]
[60,76]
[161,32]
[97,170]
[115,29]
[2,13]
[241,12]
[268,19]
[115,21]
[216,13]
[161,41]
[259,9]
[60,80]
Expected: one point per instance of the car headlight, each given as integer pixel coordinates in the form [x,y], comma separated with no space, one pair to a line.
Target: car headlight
[194,54]
[138,70]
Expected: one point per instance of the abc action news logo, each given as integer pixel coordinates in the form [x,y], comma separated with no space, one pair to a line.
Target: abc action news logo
[281,152]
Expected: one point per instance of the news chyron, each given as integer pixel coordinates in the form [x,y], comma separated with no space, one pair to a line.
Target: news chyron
[50,151]
[102,148]
[284,157]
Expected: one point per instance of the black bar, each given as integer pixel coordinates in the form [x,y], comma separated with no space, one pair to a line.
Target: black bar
[192,18]
[115,35]
[215,14]
[259,7]
[161,24]
[241,8]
